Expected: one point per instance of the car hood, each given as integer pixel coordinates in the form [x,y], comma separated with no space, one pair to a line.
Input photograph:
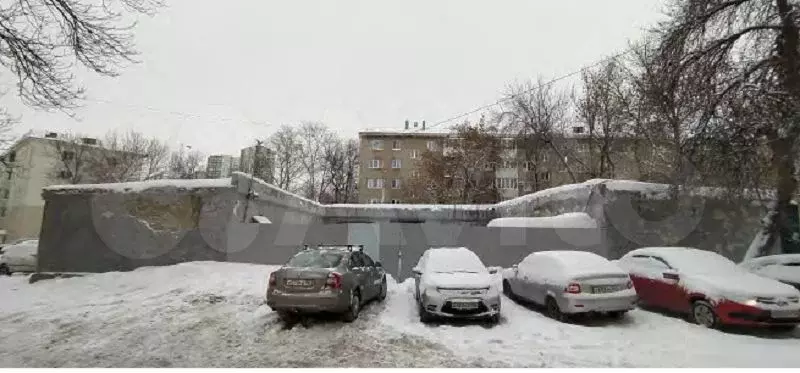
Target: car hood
[460,280]
[738,285]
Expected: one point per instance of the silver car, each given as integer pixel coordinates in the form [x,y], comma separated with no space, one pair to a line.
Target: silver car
[454,283]
[571,282]
[335,279]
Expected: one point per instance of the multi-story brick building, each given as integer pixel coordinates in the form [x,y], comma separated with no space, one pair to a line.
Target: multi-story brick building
[389,158]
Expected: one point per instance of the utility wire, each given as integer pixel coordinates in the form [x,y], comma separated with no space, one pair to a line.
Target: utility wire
[540,86]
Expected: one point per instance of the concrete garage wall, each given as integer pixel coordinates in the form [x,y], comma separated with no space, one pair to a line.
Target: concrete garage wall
[125,226]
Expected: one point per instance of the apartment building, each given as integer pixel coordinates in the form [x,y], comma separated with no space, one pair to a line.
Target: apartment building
[259,161]
[29,165]
[221,166]
[389,158]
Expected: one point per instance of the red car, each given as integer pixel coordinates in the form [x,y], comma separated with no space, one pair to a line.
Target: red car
[710,288]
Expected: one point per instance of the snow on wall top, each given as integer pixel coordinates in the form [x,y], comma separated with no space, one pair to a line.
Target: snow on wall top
[433,208]
[243,176]
[568,220]
[138,186]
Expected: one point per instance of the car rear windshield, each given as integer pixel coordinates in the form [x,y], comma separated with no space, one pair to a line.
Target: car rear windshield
[316,259]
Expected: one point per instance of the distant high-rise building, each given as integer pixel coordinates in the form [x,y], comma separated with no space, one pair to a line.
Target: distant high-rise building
[221,166]
[258,161]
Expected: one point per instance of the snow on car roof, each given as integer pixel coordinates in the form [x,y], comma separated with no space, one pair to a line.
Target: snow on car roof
[454,259]
[577,263]
[568,220]
[691,259]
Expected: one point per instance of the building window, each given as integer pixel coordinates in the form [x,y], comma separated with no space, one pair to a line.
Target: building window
[577,129]
[544,176]
[376,144]
[396,184]
[395,201]
[375,163]
[432,145]
[374,183]
[6,193]
[415,173]
[414,154]
[396,163]
[67,155]
[10,173]
[2,211]
[506,183]
[12,157]
[396,145]
[509,164]
[374,201]
[507,143]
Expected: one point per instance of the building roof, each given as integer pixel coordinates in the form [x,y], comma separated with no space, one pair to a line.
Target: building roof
[401,131]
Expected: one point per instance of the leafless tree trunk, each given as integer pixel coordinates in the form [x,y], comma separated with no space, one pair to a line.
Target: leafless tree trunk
[158,157]
[748,51]
[184,164]
[288,157]
[535,113]
[41,40]
[122,157]
[73,156]
[313,137]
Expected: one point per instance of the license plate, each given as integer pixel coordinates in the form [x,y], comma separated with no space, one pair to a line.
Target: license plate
[465,305]
[299,283]
[604,289]
[785,314]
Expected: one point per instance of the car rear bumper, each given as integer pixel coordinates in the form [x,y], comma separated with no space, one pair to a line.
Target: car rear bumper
[443,307]
[605,303]
[731,313]
[327,301]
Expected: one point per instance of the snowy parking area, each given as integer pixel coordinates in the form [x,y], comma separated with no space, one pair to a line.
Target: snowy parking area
[212,315]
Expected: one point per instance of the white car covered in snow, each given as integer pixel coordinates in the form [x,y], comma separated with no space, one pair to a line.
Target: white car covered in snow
[19,257]
[569,283]
[710,288]
[783,267]
[454,283]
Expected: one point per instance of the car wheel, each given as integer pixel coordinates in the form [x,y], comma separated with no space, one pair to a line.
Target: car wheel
[617,314]
[703,314]
[384,290]
[424,316]
[553,311]
[354,308]
[494,319]
[4,271]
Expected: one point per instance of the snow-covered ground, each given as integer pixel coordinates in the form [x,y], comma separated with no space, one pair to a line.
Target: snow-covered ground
[212,315]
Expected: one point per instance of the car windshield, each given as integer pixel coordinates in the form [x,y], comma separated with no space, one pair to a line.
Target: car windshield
[701,262]
[316,259]
[447,261]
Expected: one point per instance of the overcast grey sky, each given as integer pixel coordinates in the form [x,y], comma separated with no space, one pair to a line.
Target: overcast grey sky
[217,73]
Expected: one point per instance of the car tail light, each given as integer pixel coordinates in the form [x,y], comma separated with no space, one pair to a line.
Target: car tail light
[573,288]
[629,284]
[272,279]
[334,281]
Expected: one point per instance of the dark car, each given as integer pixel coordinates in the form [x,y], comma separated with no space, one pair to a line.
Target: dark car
[335,279]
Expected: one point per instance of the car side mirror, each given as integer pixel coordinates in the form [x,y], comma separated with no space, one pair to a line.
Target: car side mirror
[378,264]
[671,276]
[417,271]
[493,270]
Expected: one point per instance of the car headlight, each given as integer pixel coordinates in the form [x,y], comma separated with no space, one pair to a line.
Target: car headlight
[750,302]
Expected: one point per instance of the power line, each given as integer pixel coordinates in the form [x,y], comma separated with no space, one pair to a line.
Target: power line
[545,84]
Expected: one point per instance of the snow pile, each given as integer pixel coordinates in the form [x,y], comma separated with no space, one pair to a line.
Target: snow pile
[526,338]
[138,186]
[578,191]
[568,220]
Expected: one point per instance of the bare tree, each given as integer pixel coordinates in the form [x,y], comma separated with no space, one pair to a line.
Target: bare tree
[603,108]
[339,172]
[157,158]
[41,40]
[288,157]
[72,155]
[184,164]
[463,172]
[746,51]
[313,137]
[535,113]
[122,157]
